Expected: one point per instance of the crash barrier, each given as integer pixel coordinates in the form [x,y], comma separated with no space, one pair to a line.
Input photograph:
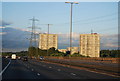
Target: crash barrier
[95,59]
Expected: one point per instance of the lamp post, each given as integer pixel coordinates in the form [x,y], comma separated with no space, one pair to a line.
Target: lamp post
[71,5]
[48,38]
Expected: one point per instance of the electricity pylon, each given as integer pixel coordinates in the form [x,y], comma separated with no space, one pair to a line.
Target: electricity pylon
[33,40]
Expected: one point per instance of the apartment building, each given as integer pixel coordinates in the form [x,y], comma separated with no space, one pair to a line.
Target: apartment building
[47,41]
[90,45]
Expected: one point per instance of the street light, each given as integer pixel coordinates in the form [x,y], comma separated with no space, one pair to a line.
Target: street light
[48,38]
[71,24]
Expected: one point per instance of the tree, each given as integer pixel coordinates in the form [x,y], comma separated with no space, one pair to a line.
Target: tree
[110,53]
[32,51]
[77,55]
[57,54]
[52,50]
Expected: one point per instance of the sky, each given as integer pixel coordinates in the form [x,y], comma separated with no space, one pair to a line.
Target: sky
[100,17]
[86,16]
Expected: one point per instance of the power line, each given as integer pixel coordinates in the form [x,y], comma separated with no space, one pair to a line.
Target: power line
[33,41]
[98,17]
[94,19]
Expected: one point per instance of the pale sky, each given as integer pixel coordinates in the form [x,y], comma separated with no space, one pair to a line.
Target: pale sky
[101,17]
[98,16]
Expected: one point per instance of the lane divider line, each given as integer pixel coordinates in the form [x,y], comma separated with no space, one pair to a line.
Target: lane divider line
[59,70]
[32,69]
[38,74]
[104,73]
[72,73]
[85,69]
[50,67]
[5,68]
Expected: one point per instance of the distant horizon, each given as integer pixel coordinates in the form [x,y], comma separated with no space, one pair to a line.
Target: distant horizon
[87,16]
[19,50]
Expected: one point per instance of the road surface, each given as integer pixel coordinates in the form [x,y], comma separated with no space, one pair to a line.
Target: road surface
[33,69]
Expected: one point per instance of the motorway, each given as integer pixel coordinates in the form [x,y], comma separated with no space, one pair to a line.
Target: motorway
[32,69]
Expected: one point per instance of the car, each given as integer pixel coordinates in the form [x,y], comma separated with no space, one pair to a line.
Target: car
[6,56]
[41,58]
[19,58]
[25,58]
[13,56]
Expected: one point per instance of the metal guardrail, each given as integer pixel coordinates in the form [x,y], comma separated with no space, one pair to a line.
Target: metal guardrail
[109,60]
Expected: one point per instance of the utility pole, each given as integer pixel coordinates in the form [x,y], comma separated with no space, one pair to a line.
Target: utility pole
[91,31]
[71,8]
[48,38]
[33,41]
[47,43]
[37,50]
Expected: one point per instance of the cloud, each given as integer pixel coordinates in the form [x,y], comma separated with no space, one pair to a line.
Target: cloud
[2,33]
[2,27]
[110,36]
[111,45]
[4,23]
[75,36]
[21,29]
[64,39]
[109,41]
[14,49]
[27,30]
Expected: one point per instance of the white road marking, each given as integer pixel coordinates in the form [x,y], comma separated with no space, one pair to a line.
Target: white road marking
[5,68]
[32,69]
[103,73]
[59,70]
[72,73]
[50,67]
[38,74]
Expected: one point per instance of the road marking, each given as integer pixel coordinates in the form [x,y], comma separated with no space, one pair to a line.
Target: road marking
[50,67]
[103,73]
[59,70]
[72,73]
[86,70]
[26,65]
[38,74]
[32,69]
[5,68]
[44,65]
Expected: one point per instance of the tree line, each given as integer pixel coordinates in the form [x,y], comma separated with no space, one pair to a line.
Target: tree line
[110,53]
[36,52]
[21,53]
[54,52]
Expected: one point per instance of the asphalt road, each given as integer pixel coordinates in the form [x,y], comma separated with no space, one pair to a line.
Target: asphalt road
[33,69]
[4,62]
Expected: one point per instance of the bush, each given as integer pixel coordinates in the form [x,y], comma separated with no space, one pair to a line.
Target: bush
[57,54]
[77,55]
